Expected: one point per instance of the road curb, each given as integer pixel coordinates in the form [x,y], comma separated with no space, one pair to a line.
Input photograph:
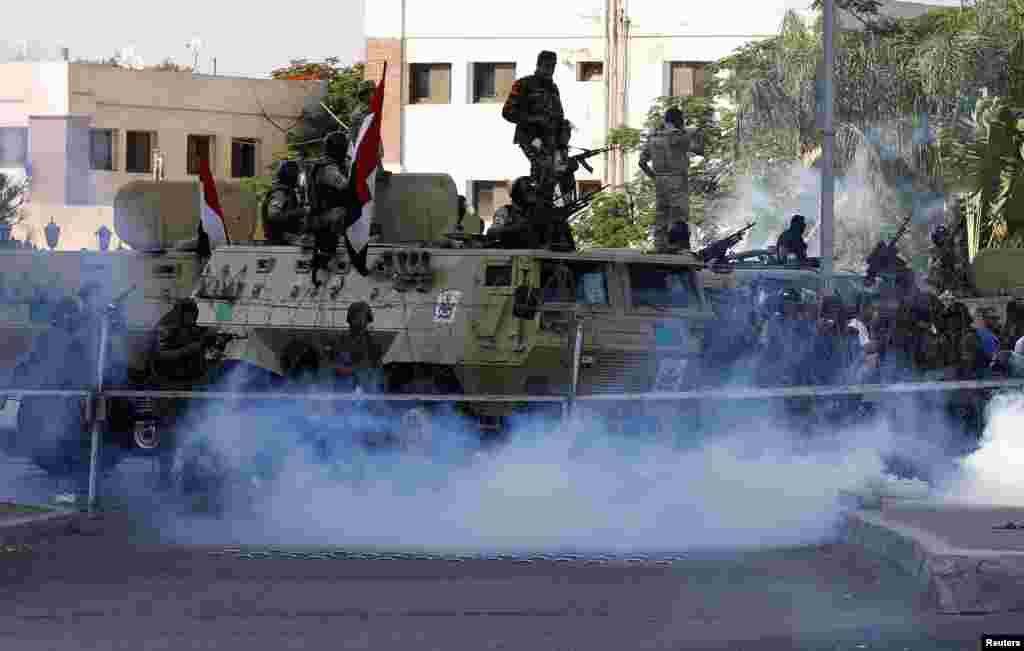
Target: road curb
[956,581]
[31,529]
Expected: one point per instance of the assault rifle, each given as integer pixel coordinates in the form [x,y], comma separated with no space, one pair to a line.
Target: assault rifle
[580,159]
[717,251]
[885,258]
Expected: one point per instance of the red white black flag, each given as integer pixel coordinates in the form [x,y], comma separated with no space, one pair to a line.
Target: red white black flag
[211,217]
[363,179]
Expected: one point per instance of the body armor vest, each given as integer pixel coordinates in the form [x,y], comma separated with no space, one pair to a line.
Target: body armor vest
[668,149]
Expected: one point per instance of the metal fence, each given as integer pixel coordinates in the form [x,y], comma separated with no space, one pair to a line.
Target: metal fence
[97,400]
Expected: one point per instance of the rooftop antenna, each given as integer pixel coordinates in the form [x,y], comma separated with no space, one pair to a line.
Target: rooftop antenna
[195,44]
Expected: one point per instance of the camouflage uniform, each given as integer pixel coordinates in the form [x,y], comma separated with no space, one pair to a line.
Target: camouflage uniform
[282,214]
[534,105]
[669,150]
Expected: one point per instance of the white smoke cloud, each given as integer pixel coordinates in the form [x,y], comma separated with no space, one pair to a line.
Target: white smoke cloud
[552,487]
[992,474]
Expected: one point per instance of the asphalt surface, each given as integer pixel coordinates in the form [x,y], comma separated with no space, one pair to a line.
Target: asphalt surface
[119,586]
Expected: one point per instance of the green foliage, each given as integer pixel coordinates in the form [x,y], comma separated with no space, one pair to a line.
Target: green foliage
[12,197]
[342,98]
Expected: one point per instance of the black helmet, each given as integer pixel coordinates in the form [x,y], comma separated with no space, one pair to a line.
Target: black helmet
[798,220]
[520,187]
[545,56]
[287,173]
[336,145]
[359,307]
[675,116]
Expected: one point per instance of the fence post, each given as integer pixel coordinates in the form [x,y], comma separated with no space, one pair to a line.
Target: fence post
[99,414]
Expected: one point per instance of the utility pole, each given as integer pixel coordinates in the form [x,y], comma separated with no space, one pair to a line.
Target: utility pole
[827,212]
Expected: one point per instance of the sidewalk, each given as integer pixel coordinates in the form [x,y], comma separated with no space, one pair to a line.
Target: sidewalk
[27,525]
[962,556]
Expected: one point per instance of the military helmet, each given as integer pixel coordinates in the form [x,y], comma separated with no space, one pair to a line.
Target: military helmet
[545,56]
[359,307]
[336,145]
[675,116]
[520,187]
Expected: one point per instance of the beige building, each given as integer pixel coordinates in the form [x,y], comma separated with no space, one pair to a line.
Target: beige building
[82,131]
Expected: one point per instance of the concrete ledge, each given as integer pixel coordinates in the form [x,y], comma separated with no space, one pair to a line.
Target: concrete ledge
[31,529]
[957,580]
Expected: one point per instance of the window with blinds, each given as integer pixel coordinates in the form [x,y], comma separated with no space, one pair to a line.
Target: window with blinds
[590,71]
[13,146]
[686,79]
[139,151]
[199,147]
[101,149]
[243,157]
[430,83]
[492,82]
[488,197]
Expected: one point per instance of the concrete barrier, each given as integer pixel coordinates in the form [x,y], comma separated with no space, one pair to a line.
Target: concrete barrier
[977,569]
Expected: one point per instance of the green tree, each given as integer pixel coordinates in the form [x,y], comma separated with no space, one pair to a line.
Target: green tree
[984,149]
[342,92]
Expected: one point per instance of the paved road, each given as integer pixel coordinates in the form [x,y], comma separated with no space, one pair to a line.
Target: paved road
[111,591]
[125,588]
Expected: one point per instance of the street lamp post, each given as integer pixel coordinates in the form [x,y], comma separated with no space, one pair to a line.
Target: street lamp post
[827,151]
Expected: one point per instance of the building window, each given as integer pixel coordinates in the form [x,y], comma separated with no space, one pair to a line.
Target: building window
[243,158]
[590,71]
[13,146]
[492,81]
[139,151]
[686,79]
[430,83]
[488,196]
[101,149]
[198,148]
[589,187]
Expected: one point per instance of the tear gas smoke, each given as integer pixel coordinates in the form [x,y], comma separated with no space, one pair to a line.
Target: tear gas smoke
[581,487]
[862,198]
[992,474]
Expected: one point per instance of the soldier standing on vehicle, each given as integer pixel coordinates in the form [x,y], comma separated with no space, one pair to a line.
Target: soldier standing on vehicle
[668,148]
[534,105]
[791,241]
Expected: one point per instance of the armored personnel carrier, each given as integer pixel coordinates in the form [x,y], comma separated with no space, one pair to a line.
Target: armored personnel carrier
[453,314]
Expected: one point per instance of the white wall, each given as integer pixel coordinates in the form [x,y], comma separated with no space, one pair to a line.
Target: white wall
[472,141]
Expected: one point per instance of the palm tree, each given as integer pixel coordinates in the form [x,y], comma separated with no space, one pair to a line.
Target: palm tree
[986,162]
[902,92]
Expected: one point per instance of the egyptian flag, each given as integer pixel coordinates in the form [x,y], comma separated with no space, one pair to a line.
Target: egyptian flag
[365,161]
[212,230]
